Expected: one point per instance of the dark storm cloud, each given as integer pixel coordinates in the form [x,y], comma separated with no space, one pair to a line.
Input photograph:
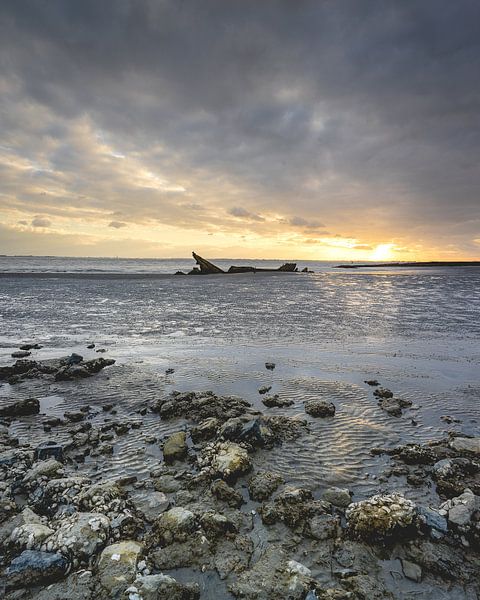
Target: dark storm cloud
[359,107]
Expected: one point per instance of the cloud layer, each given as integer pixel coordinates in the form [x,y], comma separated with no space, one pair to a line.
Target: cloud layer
[278,128]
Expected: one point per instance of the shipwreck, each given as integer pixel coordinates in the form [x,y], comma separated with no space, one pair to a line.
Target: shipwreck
[205,267]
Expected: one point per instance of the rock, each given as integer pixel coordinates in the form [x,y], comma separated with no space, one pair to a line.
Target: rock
[175,447]
[20,408]
[33,568]
[117,566]
[30,347]
[441,559]
[26,517]
[412,571]
[30,536]
[79,536]
[372,382]
[205,430]
[91,346]
[149,504]
[43,468]
[276,401]
[337,496]
[167,484]
[270,366]
[175,525]
[223,491]
[20,354]
[273,576]
[265,389]
[432,520]
[262,485]
[69,373]
[460,509]
[74,415]
[48,450]
[294,507]
[470,445]
[216,525]
[319,408]
[380,516]
[391,406]
[77,586]
[74,359]
[162,587]
[231,461]
[323,527]
[383,393]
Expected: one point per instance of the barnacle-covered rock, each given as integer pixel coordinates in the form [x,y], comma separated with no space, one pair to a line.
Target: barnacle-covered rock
[379,516]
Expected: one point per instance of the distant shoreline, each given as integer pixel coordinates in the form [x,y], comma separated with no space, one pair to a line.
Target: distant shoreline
[470,263]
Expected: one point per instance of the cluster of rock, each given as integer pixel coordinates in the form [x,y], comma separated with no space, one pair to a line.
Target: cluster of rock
[209,508]
[64,369]
[386,401]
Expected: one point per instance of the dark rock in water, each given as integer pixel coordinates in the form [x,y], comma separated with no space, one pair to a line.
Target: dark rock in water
[252,431]
[265,389]
[393,406]
[262,485]
[383,393]
[205,430]
[74,359]
[270,366]
[49,450]
[101,350]
[91,346]
[169,371]
[20,354]
[179,273]
[30,347]
[175,447]
[83,369]
[414,454]
[294,507]
[372,382]
[20,408]
[276,401]
[33,567]
[442,559]
[74,416]
[68,373]
[221,490]
[319,408]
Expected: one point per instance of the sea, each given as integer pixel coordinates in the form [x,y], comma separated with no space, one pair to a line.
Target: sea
[415,330]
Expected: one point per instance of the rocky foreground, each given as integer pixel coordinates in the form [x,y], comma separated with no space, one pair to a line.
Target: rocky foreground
[208,511]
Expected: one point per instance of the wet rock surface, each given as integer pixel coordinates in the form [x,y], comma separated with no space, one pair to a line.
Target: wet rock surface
[210,521]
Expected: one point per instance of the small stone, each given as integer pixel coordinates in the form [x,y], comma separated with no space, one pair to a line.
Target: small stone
[337,496]
[319,408]
[412,571]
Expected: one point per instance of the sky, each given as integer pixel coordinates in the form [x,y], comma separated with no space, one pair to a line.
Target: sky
[346,129]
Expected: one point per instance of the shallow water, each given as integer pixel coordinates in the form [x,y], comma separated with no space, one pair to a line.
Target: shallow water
[416,331]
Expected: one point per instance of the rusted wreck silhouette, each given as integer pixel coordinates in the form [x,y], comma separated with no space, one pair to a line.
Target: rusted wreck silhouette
[205,267]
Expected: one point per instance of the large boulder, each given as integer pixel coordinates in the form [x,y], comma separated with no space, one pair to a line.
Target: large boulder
[33,568]
[460,510]
[79,536]
[469,445]
[30,535]
[339,497]
[117,566]
[43,468]
[262,485]
[20,408]
[231,461]
[175,525]
[380,516]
